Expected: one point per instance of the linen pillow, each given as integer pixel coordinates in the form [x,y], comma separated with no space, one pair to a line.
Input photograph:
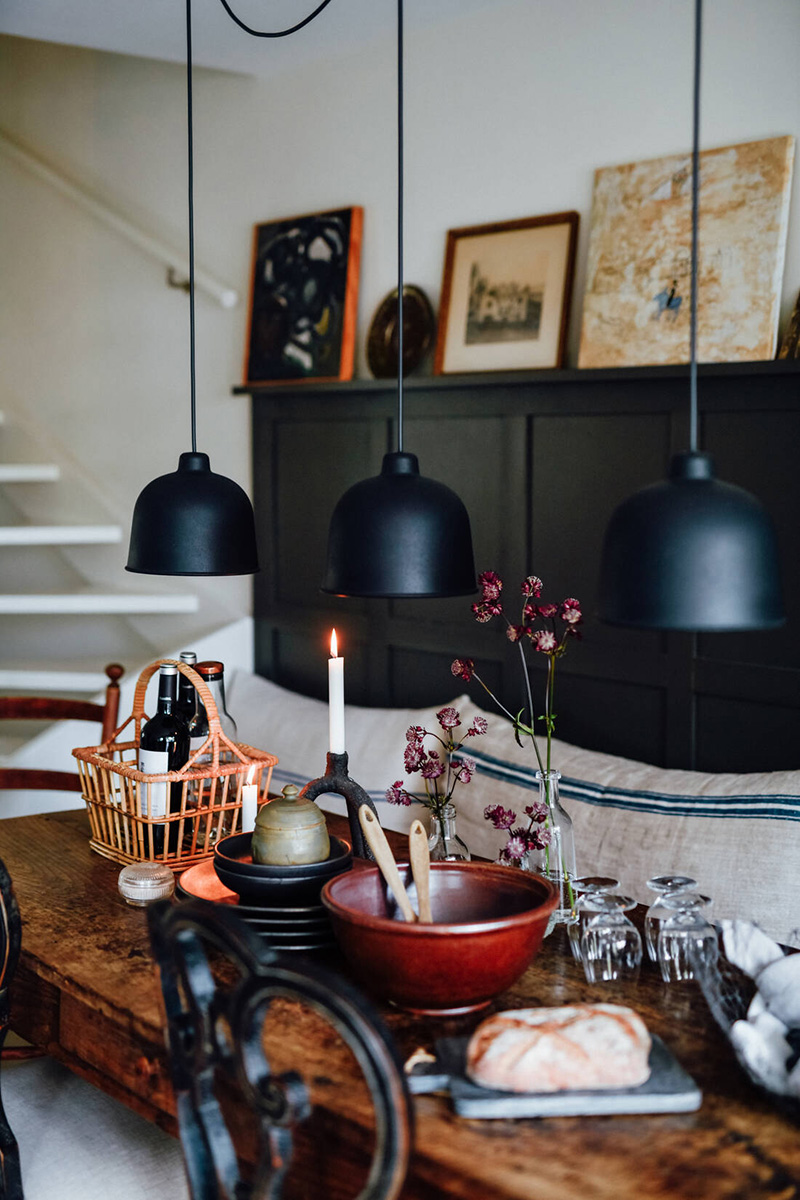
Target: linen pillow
[737,835]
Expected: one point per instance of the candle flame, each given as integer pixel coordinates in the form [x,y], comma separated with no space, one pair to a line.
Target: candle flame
[251,773]
[334,645]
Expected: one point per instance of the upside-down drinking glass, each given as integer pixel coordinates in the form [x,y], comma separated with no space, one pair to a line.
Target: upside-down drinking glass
[611,947]
[589,885]
[665,885]
[686,936]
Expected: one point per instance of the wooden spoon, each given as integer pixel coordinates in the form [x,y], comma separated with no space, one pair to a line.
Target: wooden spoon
[421,868]
[376,840]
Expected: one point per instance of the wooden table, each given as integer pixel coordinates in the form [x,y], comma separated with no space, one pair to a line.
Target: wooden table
[86,989]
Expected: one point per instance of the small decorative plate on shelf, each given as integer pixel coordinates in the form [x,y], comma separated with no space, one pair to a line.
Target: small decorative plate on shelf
[668,1089]
[418,329]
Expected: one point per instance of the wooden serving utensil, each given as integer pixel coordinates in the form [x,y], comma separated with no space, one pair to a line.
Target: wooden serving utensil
[376,840]
[419,855]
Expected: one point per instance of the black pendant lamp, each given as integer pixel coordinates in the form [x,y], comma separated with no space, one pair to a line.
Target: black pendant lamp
[399,534]
[192,521]
[691,553]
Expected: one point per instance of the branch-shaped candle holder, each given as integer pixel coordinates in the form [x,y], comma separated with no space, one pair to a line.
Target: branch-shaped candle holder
[337,780]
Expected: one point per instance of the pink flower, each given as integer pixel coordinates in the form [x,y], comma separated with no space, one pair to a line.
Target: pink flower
[415,734]
[501,818]
[491,585]
[396,794]
[531,611]
[545,641]
[479,725]
[532,586]
[466,770]
[515,848]
[515,633]
[432,767]
[571,612]
[448,718]
[485,612]
[414,757]
[462,668]
[536,811]
[547,610]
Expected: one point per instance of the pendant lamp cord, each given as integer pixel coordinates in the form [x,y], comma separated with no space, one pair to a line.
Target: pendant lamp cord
[400,226]
[698,23]
[189,124]
[277,33]
[192,371]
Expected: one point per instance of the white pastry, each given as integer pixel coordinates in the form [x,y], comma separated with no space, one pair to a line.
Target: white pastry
[581,1046]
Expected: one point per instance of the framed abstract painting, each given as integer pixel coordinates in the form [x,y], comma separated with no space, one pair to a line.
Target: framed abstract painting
[506,294]
[303,298]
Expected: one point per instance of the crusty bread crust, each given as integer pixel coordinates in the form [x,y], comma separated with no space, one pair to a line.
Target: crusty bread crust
[581,1046]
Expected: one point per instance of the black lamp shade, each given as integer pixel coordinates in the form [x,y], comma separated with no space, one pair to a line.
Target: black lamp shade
[193,522]
[400,534]
[692,554]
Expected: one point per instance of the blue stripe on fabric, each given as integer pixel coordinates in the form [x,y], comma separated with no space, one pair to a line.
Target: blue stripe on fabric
[777,807]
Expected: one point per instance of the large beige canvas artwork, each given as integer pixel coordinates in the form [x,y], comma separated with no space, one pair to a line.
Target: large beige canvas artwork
[636,306]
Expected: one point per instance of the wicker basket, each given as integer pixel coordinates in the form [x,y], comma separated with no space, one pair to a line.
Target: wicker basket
[118,795]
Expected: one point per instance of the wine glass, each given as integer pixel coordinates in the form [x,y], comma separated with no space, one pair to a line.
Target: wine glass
[686,937]
[611,947]
[588,885]
[665,885]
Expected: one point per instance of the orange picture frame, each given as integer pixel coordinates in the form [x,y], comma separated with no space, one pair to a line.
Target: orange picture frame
[304,298]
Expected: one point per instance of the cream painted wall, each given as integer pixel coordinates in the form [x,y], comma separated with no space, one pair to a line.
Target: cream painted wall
[508,112]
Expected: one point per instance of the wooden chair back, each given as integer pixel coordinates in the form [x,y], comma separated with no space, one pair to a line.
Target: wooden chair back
[214,1036]
[49,708]
[10,936]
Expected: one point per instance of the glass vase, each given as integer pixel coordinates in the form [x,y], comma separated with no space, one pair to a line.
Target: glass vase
[556,861]
[444,843]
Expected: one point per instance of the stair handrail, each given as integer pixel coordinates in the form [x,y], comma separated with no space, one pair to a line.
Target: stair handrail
[175,263]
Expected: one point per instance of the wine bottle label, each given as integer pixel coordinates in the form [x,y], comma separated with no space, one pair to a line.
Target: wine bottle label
[154,762]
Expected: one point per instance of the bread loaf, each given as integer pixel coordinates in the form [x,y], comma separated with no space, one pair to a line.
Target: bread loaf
[578,1046]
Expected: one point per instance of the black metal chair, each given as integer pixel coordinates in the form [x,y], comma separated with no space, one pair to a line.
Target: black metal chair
[10,936]
[214,1037]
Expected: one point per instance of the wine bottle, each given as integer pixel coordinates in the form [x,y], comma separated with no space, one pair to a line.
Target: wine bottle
[163,747]
[213,674]
[191,706]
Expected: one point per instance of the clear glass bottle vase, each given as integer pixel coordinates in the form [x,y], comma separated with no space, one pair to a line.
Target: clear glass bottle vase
[444,843]
[556,861]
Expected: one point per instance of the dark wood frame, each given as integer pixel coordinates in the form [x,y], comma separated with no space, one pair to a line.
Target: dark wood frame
[540,459]
[523,225]
[350,301]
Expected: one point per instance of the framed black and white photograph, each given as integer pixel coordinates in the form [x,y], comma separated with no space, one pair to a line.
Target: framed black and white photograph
[506,294]
[303,298]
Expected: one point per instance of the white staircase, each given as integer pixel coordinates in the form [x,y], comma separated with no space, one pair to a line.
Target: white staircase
[59,622]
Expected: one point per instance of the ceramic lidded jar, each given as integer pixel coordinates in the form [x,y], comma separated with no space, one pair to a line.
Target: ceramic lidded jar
[290,831]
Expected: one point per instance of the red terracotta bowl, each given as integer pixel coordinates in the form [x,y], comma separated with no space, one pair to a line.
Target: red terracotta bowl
[488,923]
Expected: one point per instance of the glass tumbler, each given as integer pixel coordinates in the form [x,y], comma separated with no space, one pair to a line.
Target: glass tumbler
[589,885]
[665,885]
[611,947]
[686,937]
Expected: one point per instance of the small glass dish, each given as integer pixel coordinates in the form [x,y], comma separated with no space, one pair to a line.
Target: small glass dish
[611,946]
[141,883]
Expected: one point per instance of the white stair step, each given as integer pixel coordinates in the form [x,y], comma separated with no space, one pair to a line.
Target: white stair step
[83,603]
[29,472]
[60,535]
[40,683]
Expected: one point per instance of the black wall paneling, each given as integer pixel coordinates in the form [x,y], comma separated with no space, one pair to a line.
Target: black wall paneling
[540,460]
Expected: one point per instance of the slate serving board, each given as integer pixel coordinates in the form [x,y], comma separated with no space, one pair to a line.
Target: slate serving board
[669,1089]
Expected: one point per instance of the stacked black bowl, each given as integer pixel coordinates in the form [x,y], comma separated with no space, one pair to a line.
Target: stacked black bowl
[281,902]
